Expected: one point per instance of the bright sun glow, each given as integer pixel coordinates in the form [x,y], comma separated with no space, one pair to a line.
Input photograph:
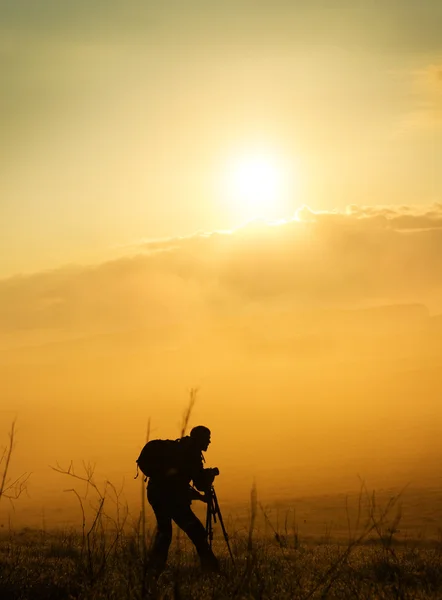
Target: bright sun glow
[259,186]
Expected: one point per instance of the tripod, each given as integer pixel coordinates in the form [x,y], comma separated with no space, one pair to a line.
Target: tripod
[213,511]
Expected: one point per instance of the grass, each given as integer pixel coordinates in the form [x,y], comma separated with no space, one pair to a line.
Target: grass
[107,558]
[39,566]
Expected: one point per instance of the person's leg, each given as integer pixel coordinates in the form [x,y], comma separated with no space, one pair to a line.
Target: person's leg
[163,536]
[185,518]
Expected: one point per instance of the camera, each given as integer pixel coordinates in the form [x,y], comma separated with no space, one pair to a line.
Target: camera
[209,475]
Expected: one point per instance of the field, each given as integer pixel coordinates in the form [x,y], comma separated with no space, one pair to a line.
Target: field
[368,556]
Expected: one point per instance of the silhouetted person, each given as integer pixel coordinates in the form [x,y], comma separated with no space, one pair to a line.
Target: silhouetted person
[170,496]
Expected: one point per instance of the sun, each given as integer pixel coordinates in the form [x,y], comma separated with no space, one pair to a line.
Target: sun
[258,186]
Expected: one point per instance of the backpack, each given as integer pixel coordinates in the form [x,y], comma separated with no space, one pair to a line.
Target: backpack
[157,457]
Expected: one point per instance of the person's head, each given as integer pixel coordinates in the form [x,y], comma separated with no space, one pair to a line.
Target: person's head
[201,437]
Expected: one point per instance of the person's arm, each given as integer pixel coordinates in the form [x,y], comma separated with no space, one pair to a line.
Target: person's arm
[198,472]
[203,478]
[195,495]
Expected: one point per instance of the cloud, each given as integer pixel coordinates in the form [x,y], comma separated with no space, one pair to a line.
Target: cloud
[403,217]
[426,91]
[359,257]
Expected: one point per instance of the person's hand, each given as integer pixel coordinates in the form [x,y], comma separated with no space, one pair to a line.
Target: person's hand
[198,496]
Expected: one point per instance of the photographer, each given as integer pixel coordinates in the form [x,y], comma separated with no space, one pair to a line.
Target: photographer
[170,495]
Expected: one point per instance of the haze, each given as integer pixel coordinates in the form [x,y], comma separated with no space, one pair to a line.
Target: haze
[128,276]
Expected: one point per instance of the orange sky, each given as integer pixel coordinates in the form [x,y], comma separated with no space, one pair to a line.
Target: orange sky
[133,267]
[315,345]
[118,121]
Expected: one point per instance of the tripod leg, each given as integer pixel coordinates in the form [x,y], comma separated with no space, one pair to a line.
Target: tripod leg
[214,513]
[209,525]
[220,517]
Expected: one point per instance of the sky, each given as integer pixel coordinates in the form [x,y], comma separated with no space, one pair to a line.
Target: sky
[119,118]
[242,197]
[314,345]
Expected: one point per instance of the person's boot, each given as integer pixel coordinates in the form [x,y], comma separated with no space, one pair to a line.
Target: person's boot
[156,565]
[209,562]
